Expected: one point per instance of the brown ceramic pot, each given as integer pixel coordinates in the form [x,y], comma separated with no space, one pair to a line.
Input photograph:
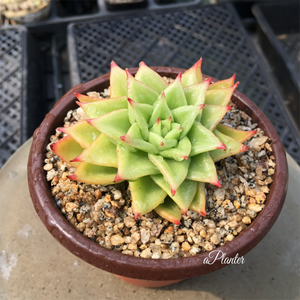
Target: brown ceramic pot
[141,271]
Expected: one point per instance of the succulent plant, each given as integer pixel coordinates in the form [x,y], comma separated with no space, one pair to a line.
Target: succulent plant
[164,139]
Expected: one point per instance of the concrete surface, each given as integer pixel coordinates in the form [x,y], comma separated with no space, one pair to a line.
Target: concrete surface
[34,266]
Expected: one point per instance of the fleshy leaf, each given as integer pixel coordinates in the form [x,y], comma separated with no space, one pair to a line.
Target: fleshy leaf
[166,126]
[175,96]
[118,79]
[186,116]
[141,113]
[223,84]
[82,132]
[202,168]
[220,96]
[135,139]
[160,143]
[184,195]
[212,115]
[150,78]
[198,203]
[203,140]
[238,135]
[195,94]
[173,171]
[161,110]
[174,133]
[156,128]
[93,174]
[169,210]
[102,152]
[85,98]
[139,91]
[192,75]
[179,153]
[146,195]
[232,147]
[103,106]
[133,165]
[67,149]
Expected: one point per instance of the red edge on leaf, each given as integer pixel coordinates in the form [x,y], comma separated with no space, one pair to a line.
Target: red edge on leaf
[176,222]
[244,148]
[76,159]
[198,63]
[63,129]
[235,85]
[203,213]
[178,77]
[228,107]
[162,143]
[173,191]
[233,77]
[207,80]
[142,64]
[124,138]
[201,106]
[130,101]
[118,178]
[222,147]
[186,157]
[113,64]
[73,177]
[184,211]
[158,120]
[217,183]
[137,215]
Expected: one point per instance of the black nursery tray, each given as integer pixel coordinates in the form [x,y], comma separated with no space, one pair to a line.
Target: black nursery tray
[279,37]
[178,38]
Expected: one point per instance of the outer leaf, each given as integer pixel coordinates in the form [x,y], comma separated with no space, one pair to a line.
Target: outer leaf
[173,171]
[232,147]
[85,98]
[238,135]
[220,96]
[118,78]
[133,165]
[199,202]
[169,211]
[146,195]
[174,94]
[203,169]
[82,132]
[67,149]
[103,106]
[93,174]
[139,91]
[102,152]
[212,115]
[150,78]
[223,84]
[179,153]
[161,110]
[193,75]
[184,195]
[195,94]
[203,140]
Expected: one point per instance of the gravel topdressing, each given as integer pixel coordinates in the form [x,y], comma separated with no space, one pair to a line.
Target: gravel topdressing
[104,213]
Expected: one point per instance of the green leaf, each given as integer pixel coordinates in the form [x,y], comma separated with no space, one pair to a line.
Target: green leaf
[169,211]
[184,195]
[238,135]
[118,87]
[133,165]
[179,153]
[102,152]
[173,171]
[198,204]
[146,195]
[166,126]
[175,131]
[85,98]
[223,84]
[220,97]
[161,110]
[195,94]
[160,143]
[202,168]
[193,75]
[203,140]
[103,106]
[213,114]
[175,96]
[156,128]
[150,78]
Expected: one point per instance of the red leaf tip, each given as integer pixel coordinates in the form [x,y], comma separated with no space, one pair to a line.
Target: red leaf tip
[73,177]
[222,147]
[178,77]
[130,101]
[185,157]
[201,106]
[217,183]
[203,213]
[118,178]
[76,159]
[162,143]
[113,64]
[137,215]
[244,148]
[176,222]
[158,120]
[229,107]
[173,192]
[142,64]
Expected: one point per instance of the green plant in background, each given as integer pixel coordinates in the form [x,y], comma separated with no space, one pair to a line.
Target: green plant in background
[164,139]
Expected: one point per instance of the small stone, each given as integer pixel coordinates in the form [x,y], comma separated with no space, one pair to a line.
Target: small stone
[185,247]
[145,235]
[254,207]
[236,204]
[215,239]
[146,253]
[271,172]
[233,224]
[48,167]
[70,206]
[129,222]
[229,237]
[166,238]
[246,220]
[117,240]
[132,246]
[179,238]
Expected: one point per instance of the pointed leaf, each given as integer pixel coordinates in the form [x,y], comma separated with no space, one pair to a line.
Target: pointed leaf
[198,204]
[175,96]
[202,168]
[135,139]
[85,98]
[184,195]
[118,87]
[238,135]
[161,110]
[82,132]
[203,140]
[186,116]
[179,153]
[133,165]
[175,131]
[146,195]
[193,75]
[102,152]
[173,171]
[67,149]
[195,94]
[160,143]
[156,128]
[232,147]
[93,174]
[213,114]
[150,78]
[169,210]
[220,96]
[223,84]
[166,126]
[139,91]
[103,106]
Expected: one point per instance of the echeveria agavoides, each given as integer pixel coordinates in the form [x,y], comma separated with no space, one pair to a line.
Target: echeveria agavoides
[162,138]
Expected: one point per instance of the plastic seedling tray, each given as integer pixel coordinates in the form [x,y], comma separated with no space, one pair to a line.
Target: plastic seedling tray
[279,37]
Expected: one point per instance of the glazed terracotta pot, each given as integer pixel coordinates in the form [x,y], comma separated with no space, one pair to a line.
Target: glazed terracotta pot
[136,270]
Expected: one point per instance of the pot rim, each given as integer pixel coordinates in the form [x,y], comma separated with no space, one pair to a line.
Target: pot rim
[137,267]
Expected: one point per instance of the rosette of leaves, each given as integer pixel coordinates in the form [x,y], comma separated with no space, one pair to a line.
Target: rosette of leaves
[164,139]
